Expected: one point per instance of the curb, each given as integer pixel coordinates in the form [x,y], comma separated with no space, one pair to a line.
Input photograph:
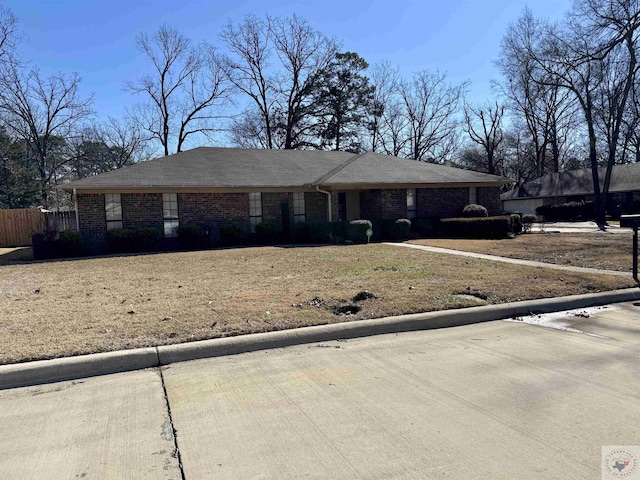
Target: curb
[72,368]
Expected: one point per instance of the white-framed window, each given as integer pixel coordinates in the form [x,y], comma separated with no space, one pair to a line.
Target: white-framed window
[411,202]
[255,210]
[170,214]
[473,195]
[299,212]
[113,210]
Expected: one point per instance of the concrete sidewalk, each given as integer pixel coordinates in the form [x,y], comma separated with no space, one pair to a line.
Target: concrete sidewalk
[516,261]
[497,400]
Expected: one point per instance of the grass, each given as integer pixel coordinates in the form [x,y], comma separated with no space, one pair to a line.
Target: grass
[61,308]
[606,251]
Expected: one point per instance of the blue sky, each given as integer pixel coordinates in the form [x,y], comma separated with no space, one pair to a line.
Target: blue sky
[97,38]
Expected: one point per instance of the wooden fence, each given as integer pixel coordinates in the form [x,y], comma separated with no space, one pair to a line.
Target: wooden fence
[17,225]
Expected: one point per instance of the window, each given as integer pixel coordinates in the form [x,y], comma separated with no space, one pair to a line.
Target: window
[473,195]
[255,210]
[170,214]
[113,210]
[411,202]
[299,213]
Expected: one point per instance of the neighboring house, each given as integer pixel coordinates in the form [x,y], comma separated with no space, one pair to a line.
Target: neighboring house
[225,186]
[577,185]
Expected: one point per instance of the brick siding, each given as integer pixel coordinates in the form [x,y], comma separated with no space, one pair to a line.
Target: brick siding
[142,210]
[215,209]
[441,202]
[379,204]
[489,197]
[315,205]
[92,222]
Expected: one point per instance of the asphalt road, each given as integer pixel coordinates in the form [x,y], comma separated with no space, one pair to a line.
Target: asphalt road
[499,400]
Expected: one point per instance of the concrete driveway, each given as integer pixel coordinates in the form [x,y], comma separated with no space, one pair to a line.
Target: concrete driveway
[499,400]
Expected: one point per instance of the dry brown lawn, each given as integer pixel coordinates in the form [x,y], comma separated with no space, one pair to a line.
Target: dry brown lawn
[605,251]
[62,308]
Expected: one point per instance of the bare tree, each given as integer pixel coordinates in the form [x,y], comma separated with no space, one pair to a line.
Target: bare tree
[8,35]
[42,112]
[484,126]
[182,94]
[431,105]
[384,78]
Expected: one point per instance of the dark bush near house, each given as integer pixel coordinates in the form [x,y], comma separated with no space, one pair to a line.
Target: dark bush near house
[566,211]
[234,234]
[489,228]
[425,227]
[474,211]
[320,232]
[68,244]
[340,231]
[527,221]
[41,246]
[267,233]
[356,231]
[120,240]
[402,229]
[193,237]
[516,224]
[299,233]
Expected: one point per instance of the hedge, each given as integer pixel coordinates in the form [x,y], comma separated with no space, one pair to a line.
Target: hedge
[485,228]
[132,241]
[357,231]
[566,211]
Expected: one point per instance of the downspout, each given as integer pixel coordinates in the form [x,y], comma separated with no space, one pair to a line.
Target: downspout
[75,207]
[328,194]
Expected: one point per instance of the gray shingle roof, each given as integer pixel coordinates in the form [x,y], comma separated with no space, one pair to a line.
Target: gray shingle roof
[624,178]
[214,167]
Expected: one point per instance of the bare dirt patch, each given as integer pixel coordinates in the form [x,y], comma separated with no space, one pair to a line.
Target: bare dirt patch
[606,251]
[72,307]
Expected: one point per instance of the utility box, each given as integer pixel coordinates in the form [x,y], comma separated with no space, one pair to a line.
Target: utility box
[630,221]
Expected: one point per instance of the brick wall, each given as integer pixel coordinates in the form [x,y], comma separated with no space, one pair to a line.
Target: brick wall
[272,209]
[441,202]
[315,204]
[215,209]
[378,204]
[92,222]
[489,197]
[142,210]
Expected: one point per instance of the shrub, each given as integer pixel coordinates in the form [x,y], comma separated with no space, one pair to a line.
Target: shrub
[356,231]
[68,244]
[233,234]
[143,239]
[527,221]
[516,224]
[340,231]
[490,227]
[299,233]
[193,237]
[474,211]
[320,232]
[119,240]
[425,227]
[402,229]
[566,211]
[266,232]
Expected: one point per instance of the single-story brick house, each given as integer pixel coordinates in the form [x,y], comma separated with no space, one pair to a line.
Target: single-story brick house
[222,186]
[577,185]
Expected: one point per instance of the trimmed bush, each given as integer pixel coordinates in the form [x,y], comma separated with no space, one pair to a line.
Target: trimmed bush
[516,224]
[489,228]
[402,228]
[320,232]
[266,233]
[193,237]
[527,221]
[68,244]
[425,227]
[122,240]
[231,235]
[474,211]
[566,211]
[299,233]
[356,231]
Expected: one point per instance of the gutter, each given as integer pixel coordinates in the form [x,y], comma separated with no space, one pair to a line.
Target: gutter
[328,194]
[75,207]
